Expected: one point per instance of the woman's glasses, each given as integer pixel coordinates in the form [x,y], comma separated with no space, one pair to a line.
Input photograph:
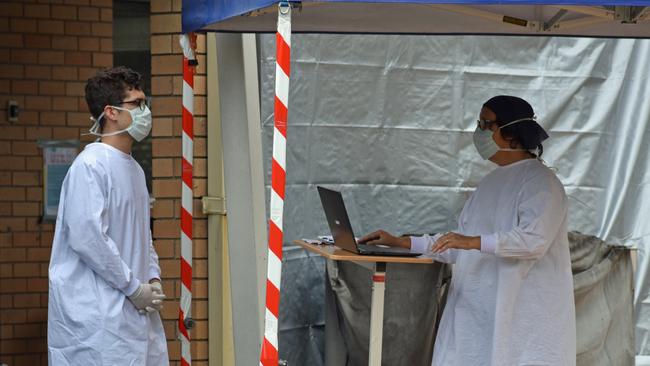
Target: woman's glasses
[484,124]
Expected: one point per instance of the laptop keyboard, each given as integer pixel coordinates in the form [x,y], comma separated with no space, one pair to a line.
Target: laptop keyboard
[376,249]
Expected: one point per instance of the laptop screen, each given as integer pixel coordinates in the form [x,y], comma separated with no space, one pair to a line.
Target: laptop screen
[337,219]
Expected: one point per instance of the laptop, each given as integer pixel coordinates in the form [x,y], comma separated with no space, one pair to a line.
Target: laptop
[337,219]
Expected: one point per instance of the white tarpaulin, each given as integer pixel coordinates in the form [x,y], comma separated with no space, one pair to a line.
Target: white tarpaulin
[388,120]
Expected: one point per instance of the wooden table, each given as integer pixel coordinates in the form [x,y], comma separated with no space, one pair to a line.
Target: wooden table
[377,264]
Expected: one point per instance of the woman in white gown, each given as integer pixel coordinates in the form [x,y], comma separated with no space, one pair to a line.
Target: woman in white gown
[511,297]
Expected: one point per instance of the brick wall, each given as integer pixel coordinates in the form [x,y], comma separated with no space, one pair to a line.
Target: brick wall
[166,85]
[47,51]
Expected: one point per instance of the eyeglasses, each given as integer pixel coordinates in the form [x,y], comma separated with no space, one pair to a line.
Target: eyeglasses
[139,103]
[484,124]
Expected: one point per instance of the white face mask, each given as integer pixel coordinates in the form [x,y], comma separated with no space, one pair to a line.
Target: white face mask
[485,144]
[138,129]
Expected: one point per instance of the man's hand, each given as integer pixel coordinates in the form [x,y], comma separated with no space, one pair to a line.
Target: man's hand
[147,298]
[381,237]
[456,241]
[157,285]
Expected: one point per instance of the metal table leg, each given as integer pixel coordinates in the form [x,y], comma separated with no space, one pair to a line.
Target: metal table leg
[377,314]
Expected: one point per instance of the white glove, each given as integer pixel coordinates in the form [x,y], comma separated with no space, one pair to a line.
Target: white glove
[157,286]
[148,298]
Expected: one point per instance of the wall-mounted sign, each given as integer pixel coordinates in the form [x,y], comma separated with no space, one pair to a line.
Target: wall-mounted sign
[58,155]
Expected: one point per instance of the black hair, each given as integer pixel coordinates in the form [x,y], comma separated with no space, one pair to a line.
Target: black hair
[527,133]
[108,87]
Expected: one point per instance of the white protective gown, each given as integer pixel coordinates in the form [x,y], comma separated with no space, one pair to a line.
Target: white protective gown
[102,251]
[510,304]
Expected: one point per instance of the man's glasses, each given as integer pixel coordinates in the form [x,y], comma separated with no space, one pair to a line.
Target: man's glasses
[484,124]
[139,103]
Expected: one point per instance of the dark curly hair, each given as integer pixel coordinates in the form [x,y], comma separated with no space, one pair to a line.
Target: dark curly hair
[108,87]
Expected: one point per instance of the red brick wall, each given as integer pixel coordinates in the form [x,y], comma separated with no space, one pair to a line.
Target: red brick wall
[167,85]
[47,51]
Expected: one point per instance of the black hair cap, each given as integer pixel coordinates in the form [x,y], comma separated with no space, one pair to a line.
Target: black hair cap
[507,109]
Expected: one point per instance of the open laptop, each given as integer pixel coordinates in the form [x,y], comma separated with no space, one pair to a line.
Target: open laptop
[337,219]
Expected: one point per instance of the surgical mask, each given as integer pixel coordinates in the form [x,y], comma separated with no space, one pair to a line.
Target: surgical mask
[485,144]
[138,129]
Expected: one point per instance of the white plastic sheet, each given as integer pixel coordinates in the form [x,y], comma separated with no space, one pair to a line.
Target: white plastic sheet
[389,119]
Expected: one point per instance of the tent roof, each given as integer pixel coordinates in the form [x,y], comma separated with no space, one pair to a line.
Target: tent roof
[619,18]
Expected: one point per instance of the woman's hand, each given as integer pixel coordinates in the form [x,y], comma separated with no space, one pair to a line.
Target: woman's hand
[456,241]
[381,237]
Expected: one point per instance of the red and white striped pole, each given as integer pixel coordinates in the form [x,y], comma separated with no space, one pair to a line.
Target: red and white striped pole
[269,355]
[185,322]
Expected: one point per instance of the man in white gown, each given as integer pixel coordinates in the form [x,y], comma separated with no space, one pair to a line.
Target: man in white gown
[104,278]
[510,302]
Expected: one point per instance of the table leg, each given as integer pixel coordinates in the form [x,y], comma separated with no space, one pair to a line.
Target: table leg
[377,314]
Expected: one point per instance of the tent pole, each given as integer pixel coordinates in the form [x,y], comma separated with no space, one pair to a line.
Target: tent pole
[185,322]
[269,355]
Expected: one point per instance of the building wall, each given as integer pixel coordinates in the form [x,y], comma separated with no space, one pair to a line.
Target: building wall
[167,83]
[47,51]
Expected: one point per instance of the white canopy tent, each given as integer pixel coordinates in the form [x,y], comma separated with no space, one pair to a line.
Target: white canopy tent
[454,17]
[625,20]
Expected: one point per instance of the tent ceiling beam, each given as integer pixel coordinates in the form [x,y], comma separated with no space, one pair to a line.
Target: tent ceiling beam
[555,19]
[628,14]
[579,23]
[588,10]
[499,18]
[623,14]
[645,14]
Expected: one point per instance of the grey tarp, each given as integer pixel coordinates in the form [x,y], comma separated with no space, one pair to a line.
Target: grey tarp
[302,319]
[603,285]
[410,313]
[603,294]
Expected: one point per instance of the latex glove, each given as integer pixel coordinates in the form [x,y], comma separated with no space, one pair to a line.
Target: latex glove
[157,287]
[147,298]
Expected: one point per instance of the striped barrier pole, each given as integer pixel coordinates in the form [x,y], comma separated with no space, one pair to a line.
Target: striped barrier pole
[269,354]
[185,322]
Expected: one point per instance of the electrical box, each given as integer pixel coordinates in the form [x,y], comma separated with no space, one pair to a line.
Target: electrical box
[12,111]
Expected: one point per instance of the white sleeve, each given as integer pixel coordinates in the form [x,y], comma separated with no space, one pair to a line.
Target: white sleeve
[85,223]
[154,266]
[423,244]
[541,214]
